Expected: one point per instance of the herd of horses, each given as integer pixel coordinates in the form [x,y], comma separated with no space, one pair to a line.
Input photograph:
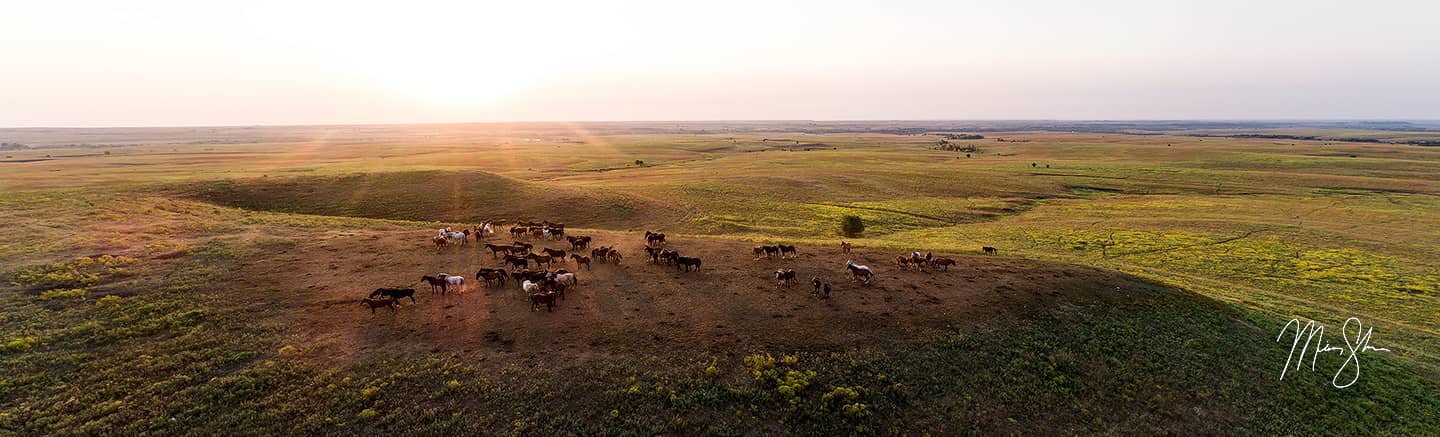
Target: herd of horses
[544,285]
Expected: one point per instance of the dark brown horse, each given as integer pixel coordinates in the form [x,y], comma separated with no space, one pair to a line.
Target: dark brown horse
[497,275]
[844,247]
[517,262]
[558,254]
[943,263]
[790,250]
[395,293]
[784,277]
[652,238]
[374,303]
[765,251]
[990,250]
[686,262]
[547,299]
[435,283]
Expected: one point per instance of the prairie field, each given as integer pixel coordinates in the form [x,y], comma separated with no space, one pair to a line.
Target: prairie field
[178,280]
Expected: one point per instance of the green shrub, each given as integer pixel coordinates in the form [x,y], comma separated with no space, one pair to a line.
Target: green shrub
[851,226]
[62,293]
[20,344]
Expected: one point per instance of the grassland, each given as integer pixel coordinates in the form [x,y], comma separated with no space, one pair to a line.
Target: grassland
[122,311]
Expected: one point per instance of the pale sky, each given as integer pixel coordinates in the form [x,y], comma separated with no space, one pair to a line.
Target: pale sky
[197,62]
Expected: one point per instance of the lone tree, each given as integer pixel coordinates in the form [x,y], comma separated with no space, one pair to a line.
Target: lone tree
[639,163]
[851,226]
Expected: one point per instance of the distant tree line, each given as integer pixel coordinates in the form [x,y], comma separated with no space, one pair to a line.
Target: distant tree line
[955,147]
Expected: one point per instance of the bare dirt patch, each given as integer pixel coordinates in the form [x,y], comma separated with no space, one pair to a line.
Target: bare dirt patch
[731,306]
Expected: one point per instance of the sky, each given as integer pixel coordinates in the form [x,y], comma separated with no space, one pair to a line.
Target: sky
[75,63]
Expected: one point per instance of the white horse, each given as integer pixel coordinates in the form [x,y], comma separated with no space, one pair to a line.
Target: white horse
[530,287]
[567,277]
[849,263]
[457,236]
[487,230]
[454,281]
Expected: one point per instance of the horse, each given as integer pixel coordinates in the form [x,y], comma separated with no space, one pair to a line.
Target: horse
[497,275]
[903,262]
[613,255]
[990,250]
[685,262]
[530,275]
[765,251]
[460,237]
[820,286]
[567,278]
[547,299]
[943,262]
[844,247]
[581,260]
[654,237]
[523,246]
[457,281]
[540,259]
[496,249]
[577,243]
[440,242]
[515,261]
[395,293]
[558,254]
[784,277]
[784,249]
[859,271]
[374,303]
[435,283]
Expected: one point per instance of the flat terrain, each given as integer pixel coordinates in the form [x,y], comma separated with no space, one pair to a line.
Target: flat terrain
[177,279]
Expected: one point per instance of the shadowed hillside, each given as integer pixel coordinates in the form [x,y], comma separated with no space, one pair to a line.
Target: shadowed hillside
[432,195]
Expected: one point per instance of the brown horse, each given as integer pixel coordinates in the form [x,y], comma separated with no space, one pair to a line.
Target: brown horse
[791,250]
[547,299]
[581,260]
[374,303]
[558,254]
[765,251]
[515,261]
[859,272]
[540,259]
[577,243]
[943,263]
[440,242]
[990,250]
[784,277]
[496,250]
[435,283]
[394,293]
[651,238]
[497,275]
[844,247]
[686,262]
[903,262]
[820,286]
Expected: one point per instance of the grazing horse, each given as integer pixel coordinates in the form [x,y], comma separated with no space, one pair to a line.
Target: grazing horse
[859,272]
[374,303]
[581,260]
[990,250]
[515,261]
[784,277]
[395,293]
[844,247]
[765,251]
[435,283]
[685,262]
[784,249]
[546,299]
[943,262]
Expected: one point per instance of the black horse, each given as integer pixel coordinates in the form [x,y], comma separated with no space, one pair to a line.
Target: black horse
[395,293]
